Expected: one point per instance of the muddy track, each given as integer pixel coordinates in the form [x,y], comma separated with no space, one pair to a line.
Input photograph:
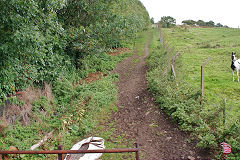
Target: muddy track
[141,120]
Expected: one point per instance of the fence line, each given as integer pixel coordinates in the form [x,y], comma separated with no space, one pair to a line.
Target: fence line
[175,58]
[202,76]
[60,152]
[223,104]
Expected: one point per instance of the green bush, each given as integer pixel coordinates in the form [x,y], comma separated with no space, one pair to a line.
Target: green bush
[31,44]
[43,40]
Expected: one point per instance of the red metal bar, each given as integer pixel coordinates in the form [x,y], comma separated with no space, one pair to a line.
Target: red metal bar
[72,151]
[137,154]
[60,156]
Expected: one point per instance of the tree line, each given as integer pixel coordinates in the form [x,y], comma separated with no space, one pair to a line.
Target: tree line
[202,23]
[168,21]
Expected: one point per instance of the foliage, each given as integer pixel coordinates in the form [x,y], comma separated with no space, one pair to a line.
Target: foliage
[84,13]
[100,62]
[69,113]
[189,22]
[43,40]
[210,24]
[152,20]
[168,22]
[31,44]
[202,23]
[219,25]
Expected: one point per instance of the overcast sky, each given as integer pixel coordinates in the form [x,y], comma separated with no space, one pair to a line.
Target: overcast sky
[226,12]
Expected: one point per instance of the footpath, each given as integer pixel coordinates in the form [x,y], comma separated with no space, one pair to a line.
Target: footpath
[139,118]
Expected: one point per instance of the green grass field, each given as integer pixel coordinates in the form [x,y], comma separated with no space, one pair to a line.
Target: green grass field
[196,45]
[216,119]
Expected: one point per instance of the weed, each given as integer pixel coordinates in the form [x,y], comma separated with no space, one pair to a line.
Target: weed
[135,61]
[108,131]
[153,125]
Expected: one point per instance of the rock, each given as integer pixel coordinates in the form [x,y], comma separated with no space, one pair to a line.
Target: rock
[147,113]
[191,158]
[169,138]
[13,148]
[191,152]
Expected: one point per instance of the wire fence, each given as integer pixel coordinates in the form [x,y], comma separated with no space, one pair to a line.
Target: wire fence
[217,110]
[60,152]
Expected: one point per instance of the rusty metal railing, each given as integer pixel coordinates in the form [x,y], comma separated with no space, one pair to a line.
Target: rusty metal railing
[60,152]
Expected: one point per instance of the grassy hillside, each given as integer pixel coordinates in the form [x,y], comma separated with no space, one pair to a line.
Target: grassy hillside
[211,121]
[196,45]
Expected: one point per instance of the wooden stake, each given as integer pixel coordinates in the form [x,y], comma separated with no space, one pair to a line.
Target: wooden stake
[202,76]
[45,138]
[173,71]
[224,112]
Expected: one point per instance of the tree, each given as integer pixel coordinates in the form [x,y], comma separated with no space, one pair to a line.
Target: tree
[219,25]
[189,22]
[210,24]
[152,20]
[167,22]
[201,23]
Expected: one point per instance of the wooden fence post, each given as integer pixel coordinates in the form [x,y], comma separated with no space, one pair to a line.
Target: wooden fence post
[173,71]
[175,57]
[202,76]
[159,31]
[224,112]
[173,62]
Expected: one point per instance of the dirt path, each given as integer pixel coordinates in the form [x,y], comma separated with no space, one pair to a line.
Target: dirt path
[139,118]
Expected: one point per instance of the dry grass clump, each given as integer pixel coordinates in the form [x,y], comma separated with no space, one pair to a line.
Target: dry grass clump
[13,112]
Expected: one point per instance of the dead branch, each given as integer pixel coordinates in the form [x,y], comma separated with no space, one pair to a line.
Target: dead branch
[45,138]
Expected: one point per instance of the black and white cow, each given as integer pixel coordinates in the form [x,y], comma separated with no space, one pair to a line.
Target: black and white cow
[235,65]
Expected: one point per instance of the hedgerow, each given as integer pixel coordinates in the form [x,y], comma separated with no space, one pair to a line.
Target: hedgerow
[42,40]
